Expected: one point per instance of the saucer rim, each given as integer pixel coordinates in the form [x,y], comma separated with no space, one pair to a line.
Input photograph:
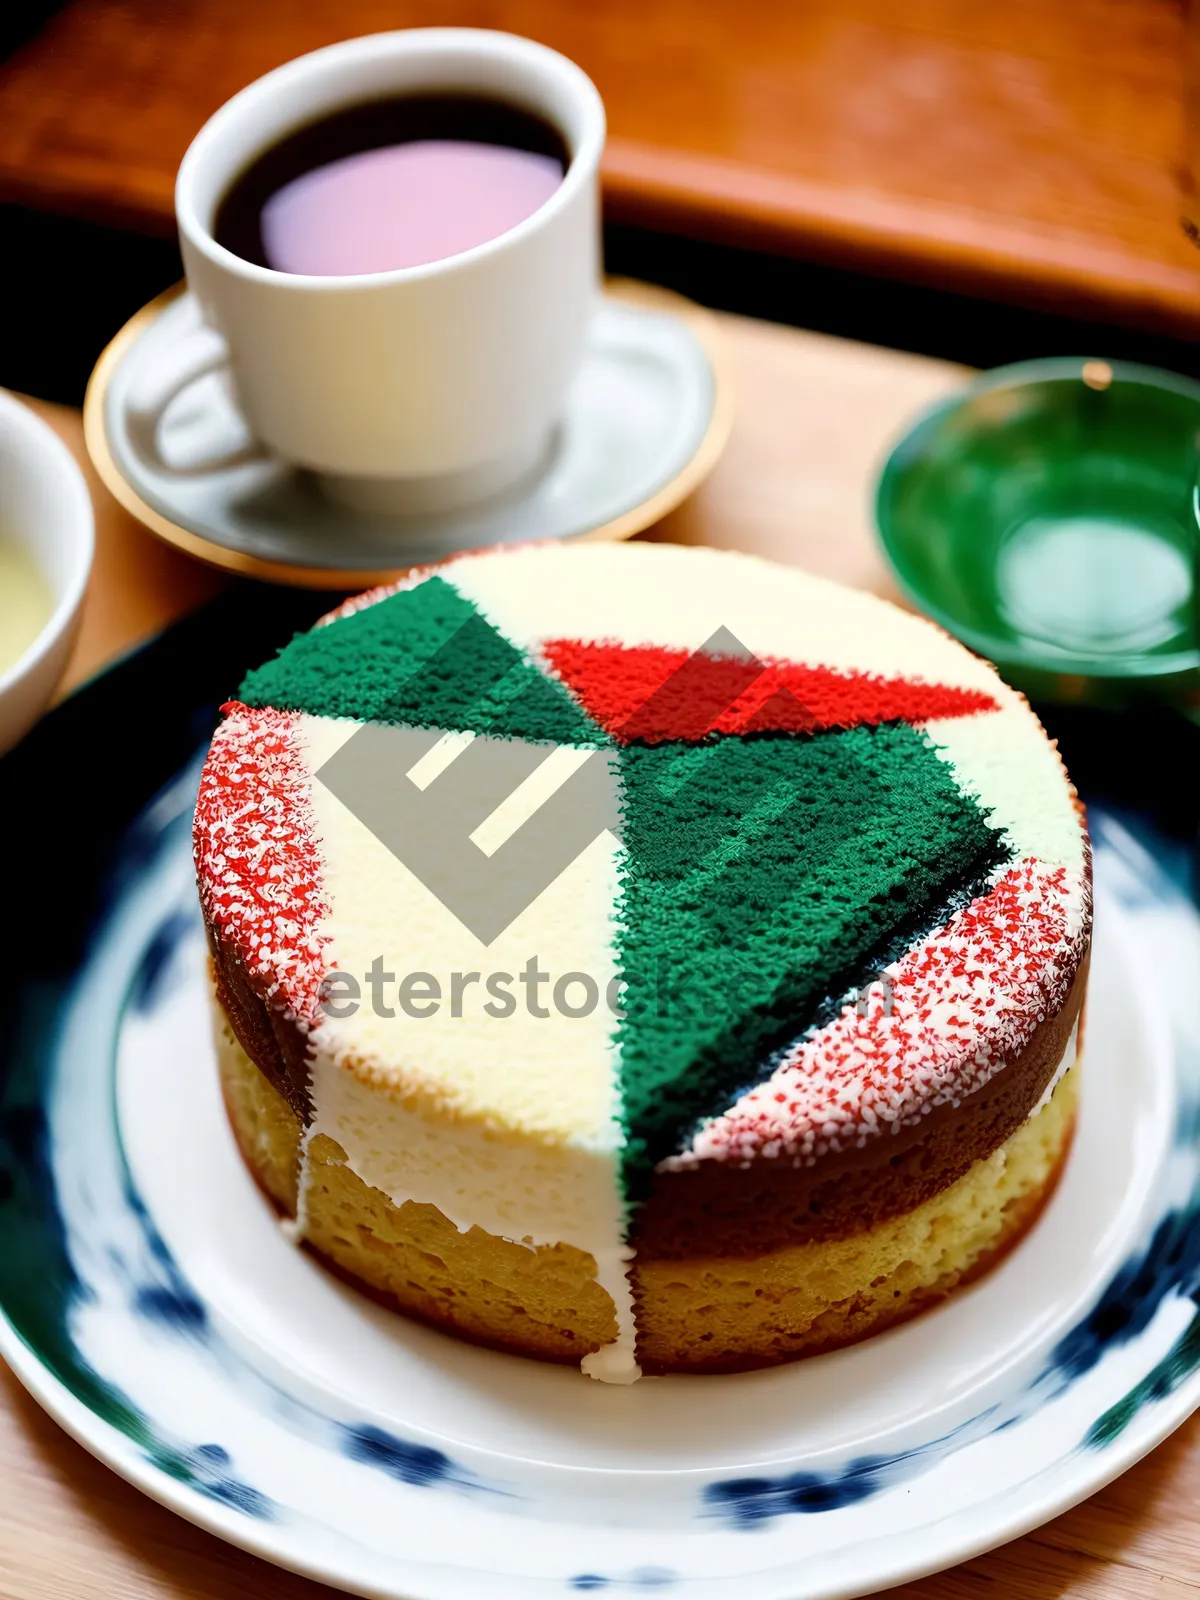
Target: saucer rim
[627,291]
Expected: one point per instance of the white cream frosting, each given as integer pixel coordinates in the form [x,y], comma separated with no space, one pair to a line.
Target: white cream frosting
[678,598]
[508,1123]
[551,1077]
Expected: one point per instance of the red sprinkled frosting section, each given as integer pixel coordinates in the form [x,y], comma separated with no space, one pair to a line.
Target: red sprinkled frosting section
[647,693]
[963,1003]
[257,858]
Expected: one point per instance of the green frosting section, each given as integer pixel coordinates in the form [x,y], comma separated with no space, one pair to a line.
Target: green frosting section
[425,657]
[763,875]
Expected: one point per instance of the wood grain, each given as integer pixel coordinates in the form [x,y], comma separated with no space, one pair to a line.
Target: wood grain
[815,418]
[1018,149]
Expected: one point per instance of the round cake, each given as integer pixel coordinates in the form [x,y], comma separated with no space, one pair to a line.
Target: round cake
[643,957]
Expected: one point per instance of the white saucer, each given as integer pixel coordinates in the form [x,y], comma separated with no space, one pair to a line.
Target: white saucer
[149,1300]
[646,419]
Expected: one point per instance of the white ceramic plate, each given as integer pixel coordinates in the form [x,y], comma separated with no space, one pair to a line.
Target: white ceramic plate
[152,1304]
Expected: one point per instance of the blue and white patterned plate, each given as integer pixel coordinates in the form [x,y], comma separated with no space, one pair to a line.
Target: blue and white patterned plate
[149,1300]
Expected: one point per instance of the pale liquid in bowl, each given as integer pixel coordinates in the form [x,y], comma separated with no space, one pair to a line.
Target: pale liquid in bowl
[26,602]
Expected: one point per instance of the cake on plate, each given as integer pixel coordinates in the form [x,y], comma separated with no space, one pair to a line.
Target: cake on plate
[648,958]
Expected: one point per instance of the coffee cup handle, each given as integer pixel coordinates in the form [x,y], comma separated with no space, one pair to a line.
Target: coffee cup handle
[145,413]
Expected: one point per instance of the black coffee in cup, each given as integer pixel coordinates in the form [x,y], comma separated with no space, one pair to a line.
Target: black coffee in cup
[390,183]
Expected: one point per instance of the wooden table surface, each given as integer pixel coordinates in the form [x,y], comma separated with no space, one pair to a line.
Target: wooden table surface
[815,415]
[1022,149]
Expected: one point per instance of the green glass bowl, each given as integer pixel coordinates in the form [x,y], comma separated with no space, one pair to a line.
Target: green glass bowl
[1048,518]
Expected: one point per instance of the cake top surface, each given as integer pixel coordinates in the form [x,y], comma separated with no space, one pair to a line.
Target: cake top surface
[794,863]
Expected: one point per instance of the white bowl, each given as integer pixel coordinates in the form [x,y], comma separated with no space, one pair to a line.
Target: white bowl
[45,506]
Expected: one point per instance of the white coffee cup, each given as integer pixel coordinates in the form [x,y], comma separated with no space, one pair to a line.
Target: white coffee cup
[428,387]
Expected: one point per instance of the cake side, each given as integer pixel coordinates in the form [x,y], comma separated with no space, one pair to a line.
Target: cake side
[709,1312]
[702,1312]
[481,1286]
[747,1207]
